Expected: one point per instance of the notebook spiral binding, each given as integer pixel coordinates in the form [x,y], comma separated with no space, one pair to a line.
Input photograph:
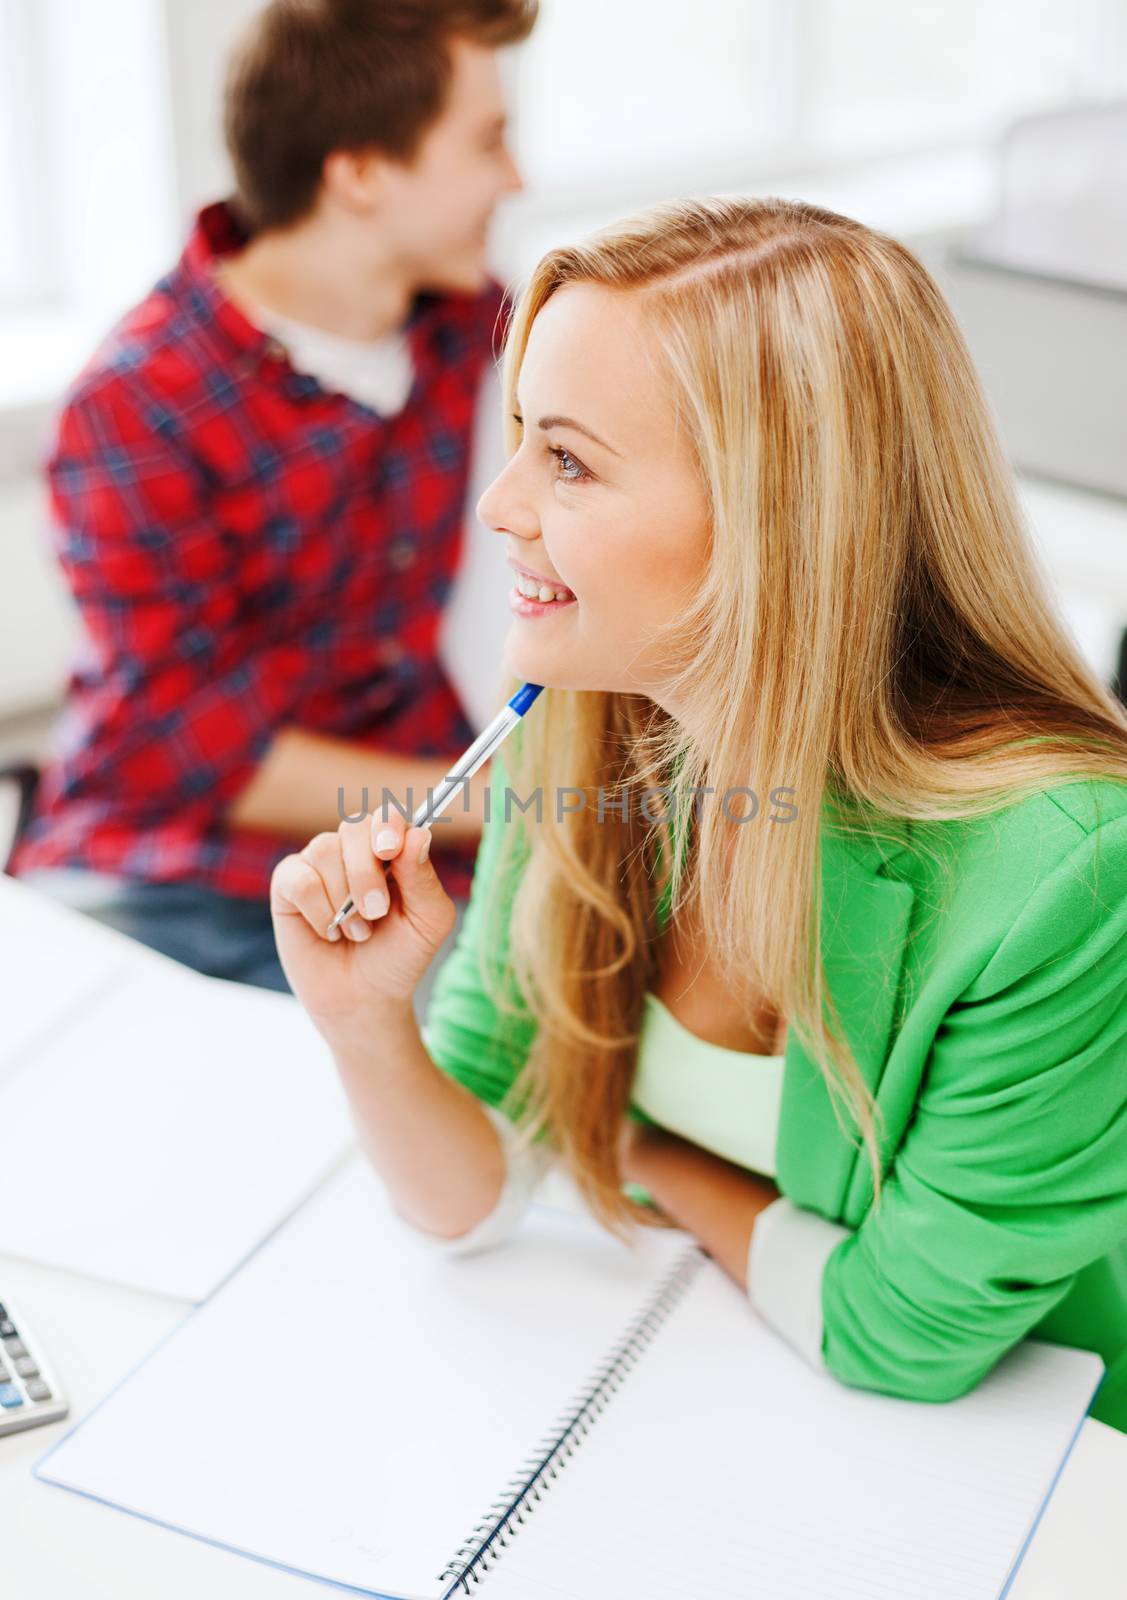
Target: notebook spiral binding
[491,1535]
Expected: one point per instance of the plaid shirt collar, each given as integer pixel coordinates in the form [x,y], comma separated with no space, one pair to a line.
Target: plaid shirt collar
[236,343]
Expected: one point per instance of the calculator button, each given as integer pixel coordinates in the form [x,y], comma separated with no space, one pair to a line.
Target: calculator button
[3,1313]
[26,1367]
[7,1328]
[14,1349]
[9,1396]
[38,1390]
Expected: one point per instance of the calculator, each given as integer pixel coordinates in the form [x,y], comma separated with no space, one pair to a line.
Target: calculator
[29,1394]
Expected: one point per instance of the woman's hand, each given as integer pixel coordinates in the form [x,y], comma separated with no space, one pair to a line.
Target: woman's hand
[372,964]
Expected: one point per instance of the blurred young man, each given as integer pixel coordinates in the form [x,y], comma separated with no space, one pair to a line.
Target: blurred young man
[259,482]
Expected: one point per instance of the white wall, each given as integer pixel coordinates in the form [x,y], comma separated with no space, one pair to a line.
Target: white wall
[199,35]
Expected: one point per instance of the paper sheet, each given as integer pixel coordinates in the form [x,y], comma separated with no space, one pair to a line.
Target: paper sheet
[52,961]
[352,1400]
[729,1468]
[154,1124]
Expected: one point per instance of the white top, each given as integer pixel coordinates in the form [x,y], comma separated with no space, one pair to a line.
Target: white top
[376,372]
[727,1101]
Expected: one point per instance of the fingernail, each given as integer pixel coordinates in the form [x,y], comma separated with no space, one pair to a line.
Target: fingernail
[334,936]
[424,850]
[375,903]
[386,839]
[357,930]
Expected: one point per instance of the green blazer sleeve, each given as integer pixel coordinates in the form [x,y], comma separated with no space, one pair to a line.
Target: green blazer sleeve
[1013,1174]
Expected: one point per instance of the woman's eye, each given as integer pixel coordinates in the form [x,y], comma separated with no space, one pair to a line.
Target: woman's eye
[572,469]
[578,475]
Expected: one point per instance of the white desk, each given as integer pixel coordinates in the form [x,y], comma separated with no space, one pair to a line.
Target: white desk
[55,1545]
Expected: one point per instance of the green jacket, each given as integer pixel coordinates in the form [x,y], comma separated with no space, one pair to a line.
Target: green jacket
[991,1023]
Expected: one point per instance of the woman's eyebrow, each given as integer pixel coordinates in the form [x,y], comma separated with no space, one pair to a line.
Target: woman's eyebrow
[569,422]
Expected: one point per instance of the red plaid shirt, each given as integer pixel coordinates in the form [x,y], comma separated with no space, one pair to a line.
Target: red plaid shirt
[246,550]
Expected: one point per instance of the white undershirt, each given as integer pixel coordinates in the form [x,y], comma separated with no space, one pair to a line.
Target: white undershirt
[376,372]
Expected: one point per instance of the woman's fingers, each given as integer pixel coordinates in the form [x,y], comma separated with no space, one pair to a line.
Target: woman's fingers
[388,836]
[426,905]
[322,857]
[352,864]
[363,870]
[296,886]
[324,852]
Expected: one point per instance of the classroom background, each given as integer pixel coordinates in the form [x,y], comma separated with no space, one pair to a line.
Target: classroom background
[990,135]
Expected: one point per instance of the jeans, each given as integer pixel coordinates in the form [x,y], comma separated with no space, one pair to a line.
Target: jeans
[221,935]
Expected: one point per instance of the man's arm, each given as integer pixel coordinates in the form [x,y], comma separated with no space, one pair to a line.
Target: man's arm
[210,731]
[305,780]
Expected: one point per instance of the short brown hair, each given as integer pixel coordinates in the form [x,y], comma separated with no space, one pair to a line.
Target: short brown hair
[312,76]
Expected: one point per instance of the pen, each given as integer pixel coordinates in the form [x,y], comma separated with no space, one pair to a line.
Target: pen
[465,767]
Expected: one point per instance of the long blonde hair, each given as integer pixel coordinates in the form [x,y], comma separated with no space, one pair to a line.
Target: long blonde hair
[871,590]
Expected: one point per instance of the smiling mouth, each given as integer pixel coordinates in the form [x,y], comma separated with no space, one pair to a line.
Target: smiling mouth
[523,605]
[541,589]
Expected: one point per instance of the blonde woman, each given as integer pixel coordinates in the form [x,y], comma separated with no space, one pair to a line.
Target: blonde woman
[829,967]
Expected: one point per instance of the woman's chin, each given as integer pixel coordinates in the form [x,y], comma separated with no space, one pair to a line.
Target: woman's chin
[537,664]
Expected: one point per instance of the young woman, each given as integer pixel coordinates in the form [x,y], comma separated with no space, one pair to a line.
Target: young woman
[818,945]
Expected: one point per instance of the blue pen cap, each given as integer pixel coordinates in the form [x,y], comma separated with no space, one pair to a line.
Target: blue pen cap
[524,697]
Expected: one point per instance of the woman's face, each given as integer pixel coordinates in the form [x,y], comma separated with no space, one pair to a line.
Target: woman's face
[602,496]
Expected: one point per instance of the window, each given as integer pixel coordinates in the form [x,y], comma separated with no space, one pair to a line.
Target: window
[23,252]
[656,89]
[937,70]
[87,203]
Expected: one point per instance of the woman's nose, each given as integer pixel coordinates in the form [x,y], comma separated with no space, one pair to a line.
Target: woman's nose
[500,509]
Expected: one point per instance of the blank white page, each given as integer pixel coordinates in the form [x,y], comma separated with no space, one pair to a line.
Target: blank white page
[351,1401]
[53,960]
[164,1126]
[726,1467]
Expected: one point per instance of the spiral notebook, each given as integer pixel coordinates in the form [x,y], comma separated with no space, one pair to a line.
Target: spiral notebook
[566,1417]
